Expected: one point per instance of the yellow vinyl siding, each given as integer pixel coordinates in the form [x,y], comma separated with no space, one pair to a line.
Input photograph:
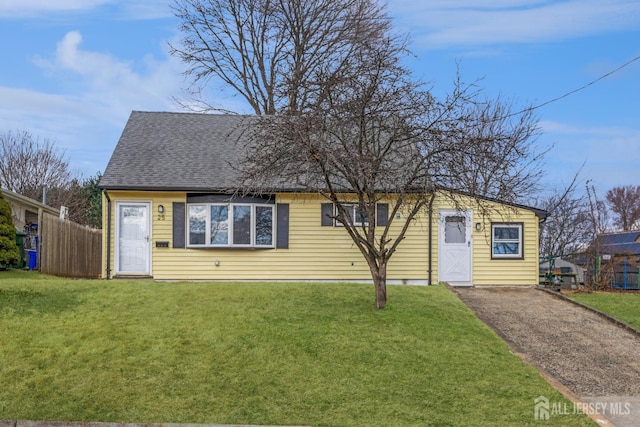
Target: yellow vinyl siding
[484,269]
[324,253]
[315,252]
[488,271]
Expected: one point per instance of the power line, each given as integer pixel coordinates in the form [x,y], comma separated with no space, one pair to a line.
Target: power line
[578,89]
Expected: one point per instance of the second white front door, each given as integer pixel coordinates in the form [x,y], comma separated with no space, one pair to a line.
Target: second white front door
[455,253]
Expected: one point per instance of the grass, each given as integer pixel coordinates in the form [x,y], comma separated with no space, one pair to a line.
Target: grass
[621,305]
[255,353]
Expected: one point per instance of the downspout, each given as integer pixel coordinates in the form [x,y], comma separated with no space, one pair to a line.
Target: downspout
[433,196]
[106,194]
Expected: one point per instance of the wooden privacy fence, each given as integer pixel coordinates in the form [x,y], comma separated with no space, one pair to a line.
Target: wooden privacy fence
[69,249]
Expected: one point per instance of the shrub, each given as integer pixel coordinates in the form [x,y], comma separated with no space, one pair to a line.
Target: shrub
[9,253]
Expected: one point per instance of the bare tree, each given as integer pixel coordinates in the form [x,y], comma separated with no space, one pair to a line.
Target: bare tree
[29,166]
[362,140]
[492,142]
[568,228]
[355,127]
[598,214]
[270,51]
[85,206]
[377,136]
[599,219]
[624,202]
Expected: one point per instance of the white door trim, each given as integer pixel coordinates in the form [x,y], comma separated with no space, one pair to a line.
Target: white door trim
[146,269]
[461,254]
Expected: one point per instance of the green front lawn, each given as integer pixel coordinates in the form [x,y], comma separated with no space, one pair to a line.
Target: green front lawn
[255,353]
[621,305]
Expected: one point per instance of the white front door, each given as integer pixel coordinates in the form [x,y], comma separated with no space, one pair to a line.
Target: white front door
[455,251]
[133,237]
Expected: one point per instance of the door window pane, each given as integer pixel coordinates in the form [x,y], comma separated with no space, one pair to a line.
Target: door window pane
[455,229]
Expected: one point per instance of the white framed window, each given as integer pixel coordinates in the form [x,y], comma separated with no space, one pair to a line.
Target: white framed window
[360,217]
[230,225]
[506,240]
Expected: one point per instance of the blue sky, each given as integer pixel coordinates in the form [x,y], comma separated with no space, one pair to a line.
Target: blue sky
[73,70]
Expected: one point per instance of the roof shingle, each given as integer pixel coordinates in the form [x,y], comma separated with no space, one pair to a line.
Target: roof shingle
[177,151]
[161,151]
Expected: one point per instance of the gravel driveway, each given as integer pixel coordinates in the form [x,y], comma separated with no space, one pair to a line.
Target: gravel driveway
[595,359]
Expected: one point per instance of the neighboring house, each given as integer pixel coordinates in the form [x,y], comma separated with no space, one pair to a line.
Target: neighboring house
[619,254]
[168,214]
[27,214]
[26,211]
[620,243]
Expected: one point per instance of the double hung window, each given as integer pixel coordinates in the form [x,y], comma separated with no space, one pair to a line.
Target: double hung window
[329,213]
[506,240]
[353,211]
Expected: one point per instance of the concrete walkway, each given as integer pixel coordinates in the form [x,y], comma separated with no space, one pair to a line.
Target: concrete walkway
[590,359]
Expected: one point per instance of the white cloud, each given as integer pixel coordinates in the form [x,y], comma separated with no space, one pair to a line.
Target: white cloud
[444,24]
[110,85]
[95,94]
[86,116]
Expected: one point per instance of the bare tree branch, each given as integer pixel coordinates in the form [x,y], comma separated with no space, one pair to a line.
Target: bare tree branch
[624,202]
[341,116]
[270,51]
[568,229]
[28,166]
[376,135]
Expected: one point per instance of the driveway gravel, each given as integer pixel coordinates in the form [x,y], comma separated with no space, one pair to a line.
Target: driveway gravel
[589,355]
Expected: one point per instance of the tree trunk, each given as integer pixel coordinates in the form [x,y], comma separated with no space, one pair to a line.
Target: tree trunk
[379,275]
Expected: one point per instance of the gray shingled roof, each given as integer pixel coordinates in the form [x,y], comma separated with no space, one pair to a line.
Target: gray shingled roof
[177,151]
[187,152]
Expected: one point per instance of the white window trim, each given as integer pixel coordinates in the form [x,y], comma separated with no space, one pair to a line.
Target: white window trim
[519,240]
[353,207]
[230,223]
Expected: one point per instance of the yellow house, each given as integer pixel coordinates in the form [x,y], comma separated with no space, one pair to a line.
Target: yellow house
[170,213]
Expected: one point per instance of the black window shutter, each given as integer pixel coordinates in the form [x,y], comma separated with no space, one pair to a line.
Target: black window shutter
[326,214]
[282,218]
[382,214]
[178,224]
